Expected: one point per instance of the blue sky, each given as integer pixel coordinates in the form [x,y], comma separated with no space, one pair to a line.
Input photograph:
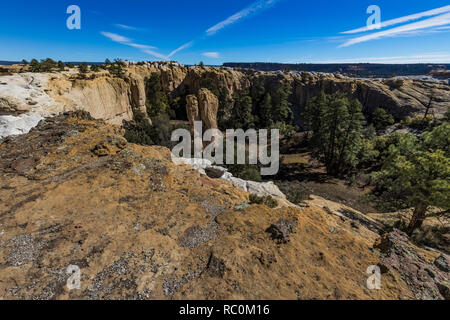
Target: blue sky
[289,31]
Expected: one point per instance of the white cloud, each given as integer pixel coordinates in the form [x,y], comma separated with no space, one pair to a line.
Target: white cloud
[128,42]
[417,58]
[404,19]
[125,27]
[252,9]
[184,46]
[214,55]
[155,54]
[409,29]
[140,46]
[116,37]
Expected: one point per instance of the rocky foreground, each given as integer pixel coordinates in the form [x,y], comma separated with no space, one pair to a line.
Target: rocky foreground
[74,192]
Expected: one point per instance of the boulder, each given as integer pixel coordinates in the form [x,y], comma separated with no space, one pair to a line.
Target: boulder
[443,263]
[281,230]
[401,257]
[215,172]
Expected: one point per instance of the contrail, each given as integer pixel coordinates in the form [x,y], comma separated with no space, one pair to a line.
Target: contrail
[392,22]
[442,20]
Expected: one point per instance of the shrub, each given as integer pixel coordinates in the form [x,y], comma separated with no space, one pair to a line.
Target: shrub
[419,123]
[83,67]
[266,200]
[35,66]
[95,68]
[381,119]
[61,65]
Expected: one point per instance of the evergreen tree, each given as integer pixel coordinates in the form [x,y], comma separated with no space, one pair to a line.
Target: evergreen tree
[116,69]
[242,117]
[337,127]
[95,68]
[265,112]
[416,174]
[35,66]
[47,65]
[61,65]
[381,119]
[157,101]
[83,67]
[281,111]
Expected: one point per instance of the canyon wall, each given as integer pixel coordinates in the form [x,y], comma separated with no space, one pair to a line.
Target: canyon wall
[114,99]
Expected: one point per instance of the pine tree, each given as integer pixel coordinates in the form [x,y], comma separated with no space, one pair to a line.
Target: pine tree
[61,65]
[337,128]
[281,111]
[95,68]
[416,174]
[242,112]
[83,67]
[381,119]
[157,101]
[47,65]
[35,66]
[265,111]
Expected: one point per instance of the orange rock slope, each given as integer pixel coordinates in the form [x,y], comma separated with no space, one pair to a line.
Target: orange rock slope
[74,193]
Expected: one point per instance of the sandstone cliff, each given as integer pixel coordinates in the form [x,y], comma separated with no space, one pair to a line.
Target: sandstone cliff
[115,99]
[203,107]
[75,193]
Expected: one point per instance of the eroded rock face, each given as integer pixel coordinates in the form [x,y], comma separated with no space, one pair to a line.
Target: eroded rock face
[192,111]
[202,107]
[208,108]
[104,97]
[425,279]
[114,99]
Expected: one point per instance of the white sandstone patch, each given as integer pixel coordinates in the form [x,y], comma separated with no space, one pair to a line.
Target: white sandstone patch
[259,188]
[27,92]
[15,125]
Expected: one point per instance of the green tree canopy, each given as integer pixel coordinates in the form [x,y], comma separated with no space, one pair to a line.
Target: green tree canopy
[242,117]
[47,65]
[416,174]
[381,119]
[83,67]
[35,66]
[157,100]
[337,128]
[61,65]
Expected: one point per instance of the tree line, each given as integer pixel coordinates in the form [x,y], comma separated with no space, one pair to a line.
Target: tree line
[409,171]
